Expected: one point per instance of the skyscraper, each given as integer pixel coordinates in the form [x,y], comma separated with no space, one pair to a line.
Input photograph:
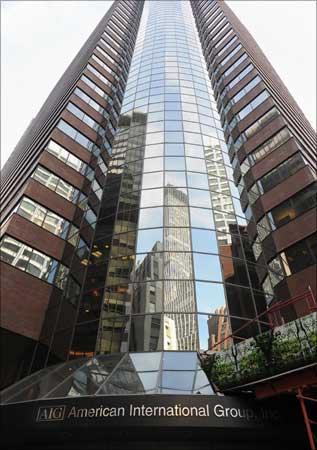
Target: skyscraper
[158,203]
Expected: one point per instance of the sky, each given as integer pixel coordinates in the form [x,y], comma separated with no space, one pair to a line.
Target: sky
[40,38]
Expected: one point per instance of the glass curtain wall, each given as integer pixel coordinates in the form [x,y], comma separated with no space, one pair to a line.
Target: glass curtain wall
[180,269]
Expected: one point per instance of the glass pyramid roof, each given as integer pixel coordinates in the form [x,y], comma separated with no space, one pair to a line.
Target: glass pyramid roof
[115,374]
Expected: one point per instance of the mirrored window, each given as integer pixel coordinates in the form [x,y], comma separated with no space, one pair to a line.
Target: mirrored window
[192,138]
[178,380]
[154,138]
[148,362]
[155,127]
[196,151]
[210,297]
[174,149]
[148,238]
[152,180]
[153,164]
[201,218]
[152,197]
[151,218]
[207,267]
[173,115]
[197,180]
[175,179]
[174,136]
[176,163]
[204,241]
[153,150]
[179,361]
[176,216]
[195,164]
[199,198]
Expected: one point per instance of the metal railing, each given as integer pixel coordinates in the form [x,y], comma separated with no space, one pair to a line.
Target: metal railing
[288,342]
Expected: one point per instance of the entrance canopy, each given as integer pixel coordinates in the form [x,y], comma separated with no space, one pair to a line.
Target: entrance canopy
[116,374]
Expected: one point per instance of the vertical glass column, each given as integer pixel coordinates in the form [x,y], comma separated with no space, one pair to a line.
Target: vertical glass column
[181,273]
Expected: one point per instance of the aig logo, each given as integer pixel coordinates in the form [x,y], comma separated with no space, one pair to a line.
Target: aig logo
[50,413]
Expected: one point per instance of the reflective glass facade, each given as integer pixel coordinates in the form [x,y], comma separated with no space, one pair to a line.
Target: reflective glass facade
[171,238]
[161,207]
[116,374]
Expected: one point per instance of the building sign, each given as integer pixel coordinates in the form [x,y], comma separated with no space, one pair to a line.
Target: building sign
[131,410]
[145,410]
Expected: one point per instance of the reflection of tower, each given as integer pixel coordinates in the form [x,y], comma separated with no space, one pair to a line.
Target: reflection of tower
[170,338]
[147,296]
[147,299]
[221,195]
[127,156]
[219,329]
[242,303]
[179,295]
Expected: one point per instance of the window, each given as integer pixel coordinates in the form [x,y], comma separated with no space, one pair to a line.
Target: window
[95,186]
[227,45]
[67,157]
[235,65]
[295,206]
[208,8]
[116,28]
[88,100]
[43,217]
[252,105]
[75,135]
[220,31]
[240,77]
[240,95]
[91,217]
[100,76]
[105,44]
[233,82]
[263,228]
[113,40]
[299,256]
[83,117]
[256,126]
[121,18]
[216,12]
[59,186]
[281,172]
[223,39]
[214,18]
[105,67]
[269,146]
[25,258]
[97,89]
[231,54]
[72,290]
[105,54]
[247,88]
[218,25]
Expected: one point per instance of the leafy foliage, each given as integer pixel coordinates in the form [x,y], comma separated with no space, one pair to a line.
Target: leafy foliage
[276,351]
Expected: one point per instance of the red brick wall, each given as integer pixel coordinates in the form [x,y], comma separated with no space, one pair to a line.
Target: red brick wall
[24,301]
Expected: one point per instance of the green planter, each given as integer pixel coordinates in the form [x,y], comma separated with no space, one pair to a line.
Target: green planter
[276,351]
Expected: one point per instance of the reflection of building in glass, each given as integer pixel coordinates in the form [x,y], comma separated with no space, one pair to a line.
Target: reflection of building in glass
[170,338]
[123,224]
[219,330]
[147,292]
[179,295]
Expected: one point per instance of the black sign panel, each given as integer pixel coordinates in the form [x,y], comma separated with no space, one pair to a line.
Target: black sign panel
[144,411]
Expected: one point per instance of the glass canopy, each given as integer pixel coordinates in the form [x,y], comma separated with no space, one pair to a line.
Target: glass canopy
[115,374]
